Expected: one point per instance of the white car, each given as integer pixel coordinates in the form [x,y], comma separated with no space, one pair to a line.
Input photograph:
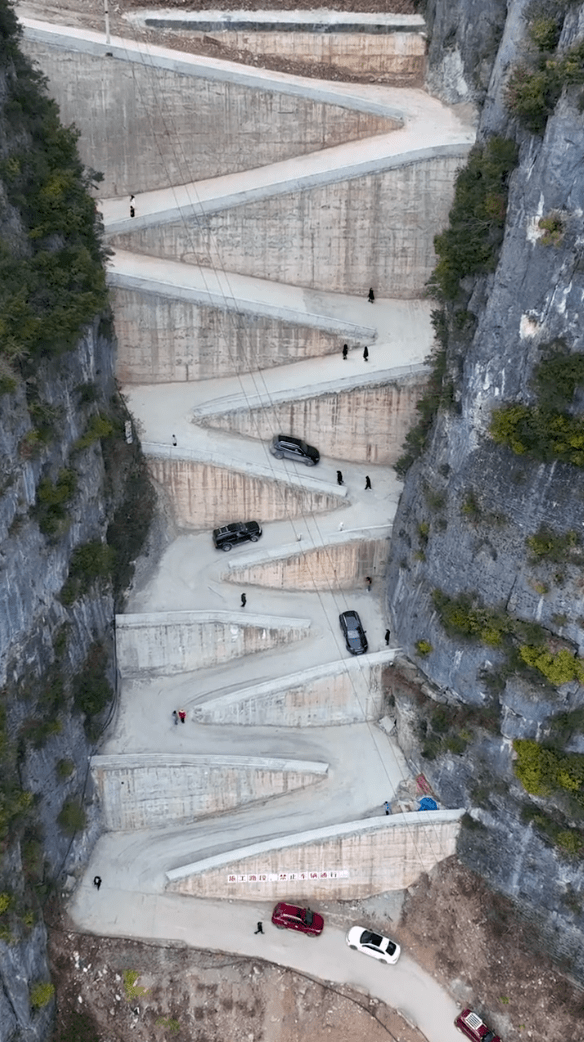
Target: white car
[362,940]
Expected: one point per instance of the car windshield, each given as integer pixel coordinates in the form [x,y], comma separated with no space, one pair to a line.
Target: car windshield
[488,1037]
[308,917]
[371,938]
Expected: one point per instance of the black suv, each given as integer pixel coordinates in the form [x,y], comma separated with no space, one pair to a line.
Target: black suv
[353,632]
[294,448]
[239,532]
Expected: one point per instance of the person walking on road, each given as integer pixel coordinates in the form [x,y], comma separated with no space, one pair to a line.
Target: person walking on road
[365,354]
[175,716]
[174,441]
[367,482]
[368,581]
[371,296]
[97,882]
[243,600]
[340,477]
[345,351]
[182,715]
[260,928]
[387,636]
[132,207]
[387,807]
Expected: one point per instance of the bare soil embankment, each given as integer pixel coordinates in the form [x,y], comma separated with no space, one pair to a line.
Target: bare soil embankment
[89,15]
[111,990]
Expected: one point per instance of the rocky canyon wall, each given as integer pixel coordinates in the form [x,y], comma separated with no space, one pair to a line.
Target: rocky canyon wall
[486,577]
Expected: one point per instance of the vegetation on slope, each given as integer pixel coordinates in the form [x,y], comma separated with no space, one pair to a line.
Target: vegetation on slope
[52,279]
[549,429]
[536,85]
[52,285]
[468,247]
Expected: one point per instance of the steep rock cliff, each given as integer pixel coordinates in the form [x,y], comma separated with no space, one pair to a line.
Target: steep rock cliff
[74,507]
[486,576]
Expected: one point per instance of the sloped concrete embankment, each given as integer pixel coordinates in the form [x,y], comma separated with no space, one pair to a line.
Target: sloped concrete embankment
[350,861]
[340,563]
[205,495]
[164,643]
[156,790]
[216,120]
[345,424]
[342,692]
[375,229]
[165,338]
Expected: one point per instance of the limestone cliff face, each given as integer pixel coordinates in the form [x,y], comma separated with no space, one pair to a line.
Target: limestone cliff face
[45,746]
[70,485]
[464,39]
[470,504]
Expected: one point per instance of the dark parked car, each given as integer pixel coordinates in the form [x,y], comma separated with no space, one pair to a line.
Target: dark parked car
[353,632]
[238,532]
[290,917]
[474,1028]
[284,445]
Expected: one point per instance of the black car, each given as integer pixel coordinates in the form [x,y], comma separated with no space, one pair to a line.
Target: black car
[353,632]
[284,445]
[239,532]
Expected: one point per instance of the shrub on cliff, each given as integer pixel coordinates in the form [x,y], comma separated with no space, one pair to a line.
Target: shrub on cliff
[555,547]
[92,690]
[438,392]
[549,429]
[559,668]
[544,771]
[72,817]
[90,563]
[470,245]
[535,87]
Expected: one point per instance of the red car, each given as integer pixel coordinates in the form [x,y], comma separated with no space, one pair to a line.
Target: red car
[474,1028]
[289,917]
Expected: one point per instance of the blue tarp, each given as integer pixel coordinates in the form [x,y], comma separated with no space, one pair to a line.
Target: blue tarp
[427,803]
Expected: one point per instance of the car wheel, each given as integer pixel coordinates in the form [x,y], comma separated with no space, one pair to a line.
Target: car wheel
[310,463]
[279,455]
[253,538]
[280,927]
[226,547]
[353,946]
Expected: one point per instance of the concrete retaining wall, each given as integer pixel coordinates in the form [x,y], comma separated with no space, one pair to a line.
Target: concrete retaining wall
[374,230]
[397,58]
[156,790]
[165,643]
[205,496]
[366,424]
[147,126]
[165,340]
[343,692]
[377,855]
[340,565]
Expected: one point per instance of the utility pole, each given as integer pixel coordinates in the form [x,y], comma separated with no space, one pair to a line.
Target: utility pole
[107,28]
